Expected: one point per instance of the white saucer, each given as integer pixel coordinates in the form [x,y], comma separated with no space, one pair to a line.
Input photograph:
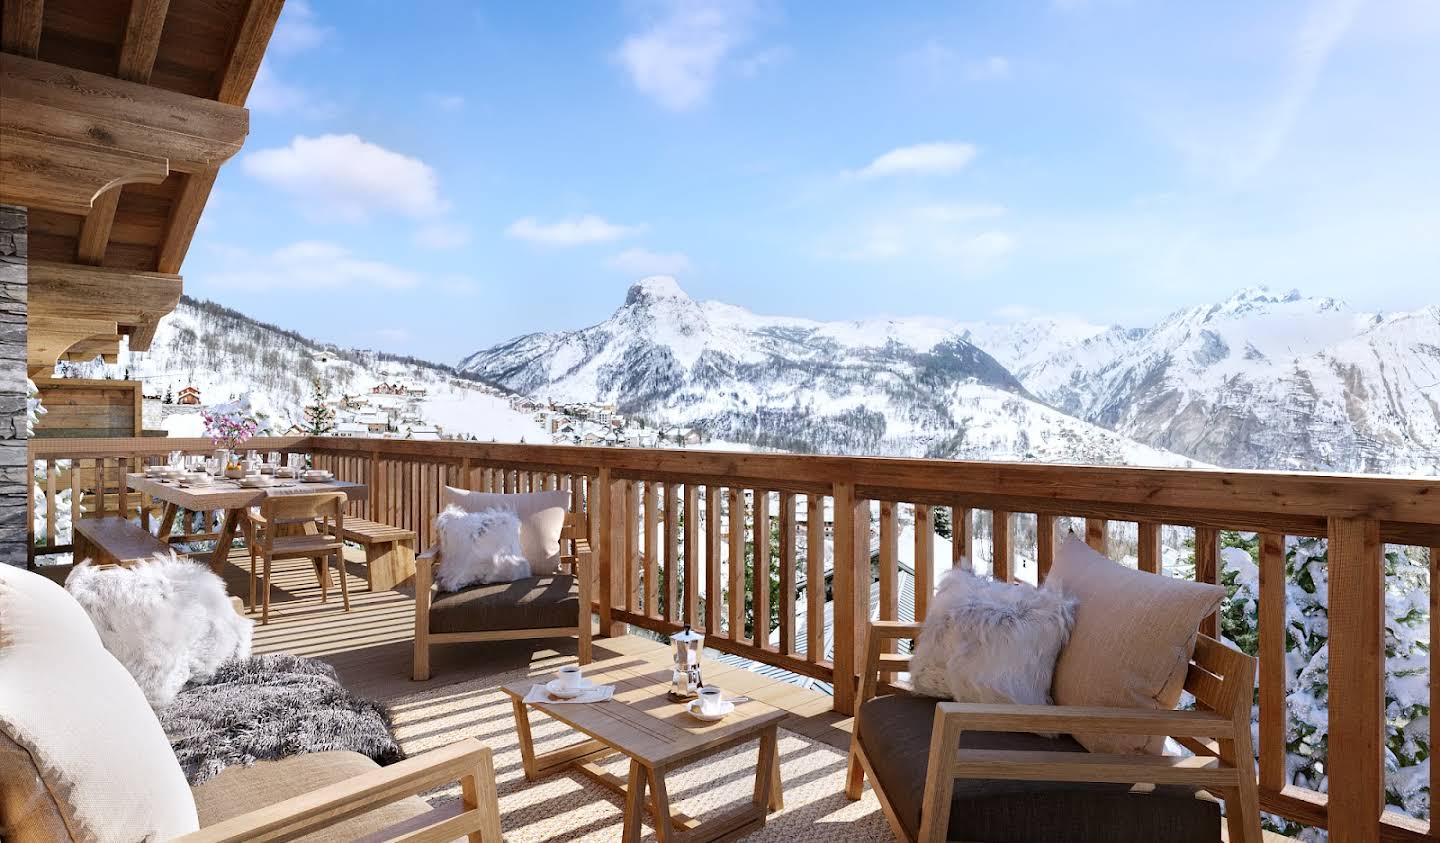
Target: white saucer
[558,690]
[726,707]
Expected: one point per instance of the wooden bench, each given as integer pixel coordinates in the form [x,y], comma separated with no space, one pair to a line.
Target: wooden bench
[113,540]
[389,552]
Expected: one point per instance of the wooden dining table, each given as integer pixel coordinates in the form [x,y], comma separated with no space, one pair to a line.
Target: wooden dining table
[229,496]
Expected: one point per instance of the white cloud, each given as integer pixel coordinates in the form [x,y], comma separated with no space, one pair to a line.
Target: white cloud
[990,67]
[309,264]
[447,102]
[346,177]
[442,235]
[958,212]
[677,58]
[939,63]
[271,94]
[645,262]
[570,232]
[751,66]
[940,158]
[297,29]
[946,235]
[980,250]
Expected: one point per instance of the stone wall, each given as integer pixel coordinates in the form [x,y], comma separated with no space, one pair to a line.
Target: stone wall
[14,461]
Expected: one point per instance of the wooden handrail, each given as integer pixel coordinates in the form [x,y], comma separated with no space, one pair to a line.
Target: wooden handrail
[658,516]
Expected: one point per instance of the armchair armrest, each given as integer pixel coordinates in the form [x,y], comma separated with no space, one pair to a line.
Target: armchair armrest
[1107,721]
[467,761]
[877,661]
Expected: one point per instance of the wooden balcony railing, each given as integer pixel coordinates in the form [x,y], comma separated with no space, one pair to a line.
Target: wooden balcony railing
[680,533]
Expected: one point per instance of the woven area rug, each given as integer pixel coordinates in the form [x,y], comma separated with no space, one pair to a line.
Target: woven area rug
[569,806]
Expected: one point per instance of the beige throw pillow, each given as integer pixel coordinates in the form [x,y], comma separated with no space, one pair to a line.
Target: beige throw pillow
[97,748]
[542,517]
[1133,637]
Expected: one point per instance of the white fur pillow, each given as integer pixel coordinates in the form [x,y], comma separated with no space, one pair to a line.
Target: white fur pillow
[169,621]
[990,642]
[479,547]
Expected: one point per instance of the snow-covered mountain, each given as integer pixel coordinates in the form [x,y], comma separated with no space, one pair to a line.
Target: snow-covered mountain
[224,354]
[1262,381]
[912,386]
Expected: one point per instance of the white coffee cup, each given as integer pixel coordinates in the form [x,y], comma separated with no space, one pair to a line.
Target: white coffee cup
[712,699]
[569,676]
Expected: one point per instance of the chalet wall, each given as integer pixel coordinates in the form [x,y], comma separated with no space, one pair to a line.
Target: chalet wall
[14,462]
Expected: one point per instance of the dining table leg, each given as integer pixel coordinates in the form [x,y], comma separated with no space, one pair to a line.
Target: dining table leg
[167,521]
[227,537]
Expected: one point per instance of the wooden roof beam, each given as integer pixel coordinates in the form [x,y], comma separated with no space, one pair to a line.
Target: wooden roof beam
[106,347]
[73,291]
[51,336]
[69,135]
[21,25]
[248,50]
[142,39]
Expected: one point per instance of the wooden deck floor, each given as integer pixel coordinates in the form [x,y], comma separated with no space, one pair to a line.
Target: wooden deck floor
[370,647]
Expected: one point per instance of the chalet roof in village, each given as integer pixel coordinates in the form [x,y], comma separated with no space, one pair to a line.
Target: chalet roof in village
[115,118]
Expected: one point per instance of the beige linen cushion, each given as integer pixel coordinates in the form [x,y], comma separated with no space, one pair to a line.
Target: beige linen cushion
[542,517]
[97,757]
[1132,641]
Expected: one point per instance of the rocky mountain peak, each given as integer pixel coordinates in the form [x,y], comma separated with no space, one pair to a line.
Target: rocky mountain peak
[654,289]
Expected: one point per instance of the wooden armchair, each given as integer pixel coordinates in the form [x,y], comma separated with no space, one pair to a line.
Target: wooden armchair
[380,804]
[991,746]
[546,606]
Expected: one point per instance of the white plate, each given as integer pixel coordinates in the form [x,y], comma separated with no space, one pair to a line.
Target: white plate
[256,482]
[558,690]
[726,707]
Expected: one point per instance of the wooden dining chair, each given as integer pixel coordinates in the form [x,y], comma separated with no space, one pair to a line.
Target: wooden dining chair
[277,533]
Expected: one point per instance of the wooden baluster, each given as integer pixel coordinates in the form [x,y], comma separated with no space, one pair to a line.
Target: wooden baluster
[735,521]
[814,578]
[1356,679]
[692,554]
[787,573]
[888,608]
[122,499]
[852,607]
[1097,535]
[632,544]
[376,492]
[651,551]
[760,569]
[1044,545]
[924,560]
[1272,629]
[1002,541]
[1207,569]
[50,514]
[714,594]
[609,493]
[962,523]
[1149,558]
[672,551]
[74,496]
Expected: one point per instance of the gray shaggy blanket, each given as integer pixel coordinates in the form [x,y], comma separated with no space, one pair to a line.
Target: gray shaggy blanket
[270,707]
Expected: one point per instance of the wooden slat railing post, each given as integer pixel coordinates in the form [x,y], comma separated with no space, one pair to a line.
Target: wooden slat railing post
[651,551]
[735,593]
[672,551]
[1207,570]
[692,554]
[1357,692]
[1097,535]
[1002,536]
[961,526]
[713,539]
[631,529]
[610,494]
[1044,545]
[814,578]
[851,615]
[787,573]
[924,560]
[889,568]
[1271,618]
[1148,554]
[760,569]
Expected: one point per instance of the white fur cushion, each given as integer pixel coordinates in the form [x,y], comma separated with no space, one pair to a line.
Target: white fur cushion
[478,547]
[168,621]
[97,747]
[990,642]
[542,520]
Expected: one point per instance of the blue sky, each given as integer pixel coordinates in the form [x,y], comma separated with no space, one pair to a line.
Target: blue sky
[434,177]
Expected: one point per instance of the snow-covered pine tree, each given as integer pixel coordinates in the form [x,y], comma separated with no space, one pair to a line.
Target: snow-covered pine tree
[319,417]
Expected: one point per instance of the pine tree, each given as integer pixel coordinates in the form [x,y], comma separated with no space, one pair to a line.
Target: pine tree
[319,418]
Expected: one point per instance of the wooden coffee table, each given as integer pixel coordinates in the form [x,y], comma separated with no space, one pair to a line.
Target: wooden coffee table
[657,735]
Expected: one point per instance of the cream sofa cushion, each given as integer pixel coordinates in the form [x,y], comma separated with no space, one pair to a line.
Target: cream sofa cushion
[542,517]
[95,744]
[1133,637]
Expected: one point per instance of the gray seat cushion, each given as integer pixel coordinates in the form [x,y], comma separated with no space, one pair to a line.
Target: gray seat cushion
[895,732]
[532,603]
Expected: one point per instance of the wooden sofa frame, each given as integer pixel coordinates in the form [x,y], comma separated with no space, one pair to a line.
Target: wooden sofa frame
[580,563]
[476,816]
[1221,679]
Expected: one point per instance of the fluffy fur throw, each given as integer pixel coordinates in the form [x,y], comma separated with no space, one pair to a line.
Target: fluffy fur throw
[168,621]
[479,547]
[270,707]
[991,642]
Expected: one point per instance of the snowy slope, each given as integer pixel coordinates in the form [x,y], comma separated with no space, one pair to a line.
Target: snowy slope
[224,354]
[904,387]
[1264,381]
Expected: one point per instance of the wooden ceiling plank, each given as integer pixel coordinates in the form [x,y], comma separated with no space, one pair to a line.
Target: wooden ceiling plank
[143,334]
[142,39]
[248,50]
[73,291]
[95,232]
[184,217]
[23,20]
[58,101]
